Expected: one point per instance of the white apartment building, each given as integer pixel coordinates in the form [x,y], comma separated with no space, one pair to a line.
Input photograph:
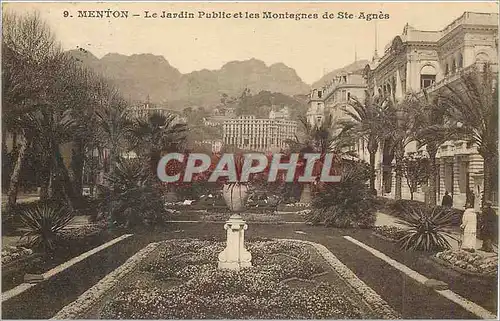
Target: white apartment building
[256,134]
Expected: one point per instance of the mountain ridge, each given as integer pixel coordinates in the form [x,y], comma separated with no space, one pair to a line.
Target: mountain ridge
[149,76]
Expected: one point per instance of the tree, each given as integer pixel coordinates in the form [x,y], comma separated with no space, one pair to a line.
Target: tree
[327,137]
[29,50]
[369,121]
[471,106]
[157,133]
[399,125]
[416,171]
[431,132]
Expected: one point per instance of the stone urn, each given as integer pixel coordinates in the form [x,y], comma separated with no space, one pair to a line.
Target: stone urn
[235,195]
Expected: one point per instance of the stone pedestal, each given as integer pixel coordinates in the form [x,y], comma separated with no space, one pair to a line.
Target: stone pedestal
[235,256]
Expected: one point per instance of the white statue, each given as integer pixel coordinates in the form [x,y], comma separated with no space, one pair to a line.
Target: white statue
[469,227]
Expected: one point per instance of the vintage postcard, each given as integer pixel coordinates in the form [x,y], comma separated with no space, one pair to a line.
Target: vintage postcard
[249,160]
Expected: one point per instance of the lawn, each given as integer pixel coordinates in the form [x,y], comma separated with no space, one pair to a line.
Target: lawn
[179,279]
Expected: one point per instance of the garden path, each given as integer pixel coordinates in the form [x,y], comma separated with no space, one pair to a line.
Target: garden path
[404,294]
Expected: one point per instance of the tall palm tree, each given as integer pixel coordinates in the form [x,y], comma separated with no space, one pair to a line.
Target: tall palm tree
[155,134]
[472,105]
[368,117]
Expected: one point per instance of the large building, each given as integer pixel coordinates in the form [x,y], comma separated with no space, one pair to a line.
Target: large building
[256,134]
[333,97]
[417,60]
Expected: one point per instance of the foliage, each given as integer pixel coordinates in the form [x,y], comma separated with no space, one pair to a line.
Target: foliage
[43,223]
[368,118]
[208,292]
[431,131]
[155,134]
[416,171]
[348,203]
[471,106]
[427,229]
[327,136]
[132,193]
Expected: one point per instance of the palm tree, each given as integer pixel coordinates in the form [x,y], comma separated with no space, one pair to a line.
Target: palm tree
[157,133]
[399,125]
[368,117]
[431,131]
[472,105]
[328,136]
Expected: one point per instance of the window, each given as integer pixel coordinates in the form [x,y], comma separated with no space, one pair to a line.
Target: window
[453,66]
[348,96]
[446,69]
[427,76]
[320,93]
[427,81]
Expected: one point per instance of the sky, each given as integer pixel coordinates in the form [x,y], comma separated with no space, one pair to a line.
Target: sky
[311,46]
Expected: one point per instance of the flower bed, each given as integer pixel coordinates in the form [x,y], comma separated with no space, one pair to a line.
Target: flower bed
[14,253]
[470,263]
[180,280]
[390,233]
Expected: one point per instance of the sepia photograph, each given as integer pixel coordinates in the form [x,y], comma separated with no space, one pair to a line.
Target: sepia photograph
[249,160]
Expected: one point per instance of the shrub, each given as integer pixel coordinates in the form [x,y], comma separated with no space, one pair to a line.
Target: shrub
[133,196]
[43,224]
[348,203]
[426,229]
